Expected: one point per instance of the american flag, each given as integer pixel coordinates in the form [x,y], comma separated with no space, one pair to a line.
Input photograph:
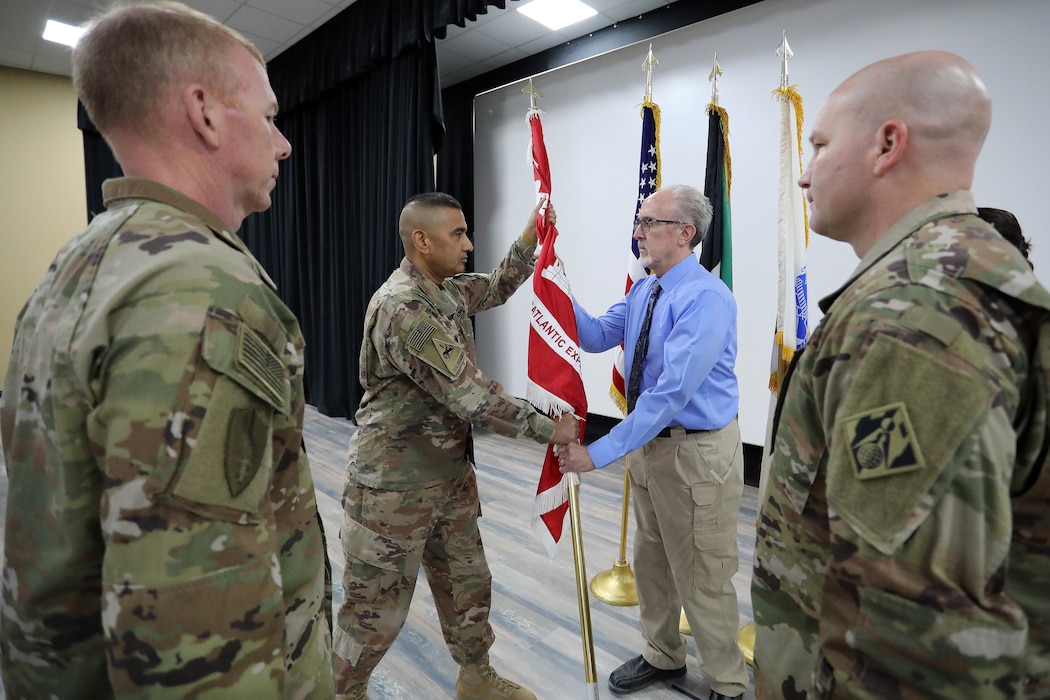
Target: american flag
[648,183]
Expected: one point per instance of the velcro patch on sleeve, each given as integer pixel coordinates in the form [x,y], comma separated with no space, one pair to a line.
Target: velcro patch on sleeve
[256,358]
[905,417]
[432,345]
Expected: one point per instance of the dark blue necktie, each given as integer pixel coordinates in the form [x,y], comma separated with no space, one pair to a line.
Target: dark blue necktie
[634,384]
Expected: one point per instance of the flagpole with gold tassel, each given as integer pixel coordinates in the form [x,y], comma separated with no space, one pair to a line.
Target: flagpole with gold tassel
[616,586]
[713,76]
[572,482]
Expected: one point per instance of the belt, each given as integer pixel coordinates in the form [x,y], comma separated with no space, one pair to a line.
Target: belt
[666,432]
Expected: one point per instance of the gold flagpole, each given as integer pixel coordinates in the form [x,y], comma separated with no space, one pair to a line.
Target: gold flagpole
[616,586]
[572,483]
[590,673]
[746,638]
[713,76]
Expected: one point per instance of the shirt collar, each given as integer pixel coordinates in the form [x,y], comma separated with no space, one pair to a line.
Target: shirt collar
[679,272]
[120,189]
[437,294]
[937,207]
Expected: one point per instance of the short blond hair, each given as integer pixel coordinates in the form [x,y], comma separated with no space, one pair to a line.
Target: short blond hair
[132,54]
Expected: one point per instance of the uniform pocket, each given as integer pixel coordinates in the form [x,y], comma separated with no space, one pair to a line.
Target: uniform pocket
[977,654]
[717,557]
[221,432]
[374,562]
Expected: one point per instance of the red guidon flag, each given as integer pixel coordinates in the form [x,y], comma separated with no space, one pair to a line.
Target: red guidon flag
[555,382]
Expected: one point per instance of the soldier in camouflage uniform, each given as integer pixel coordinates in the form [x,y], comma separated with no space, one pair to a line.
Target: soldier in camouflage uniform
[411,496]
[162,536]
[902,548]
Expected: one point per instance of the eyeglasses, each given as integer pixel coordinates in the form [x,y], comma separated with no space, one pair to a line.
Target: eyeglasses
[646,223]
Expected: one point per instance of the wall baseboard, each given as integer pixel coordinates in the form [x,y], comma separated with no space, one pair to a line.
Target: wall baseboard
[599,426]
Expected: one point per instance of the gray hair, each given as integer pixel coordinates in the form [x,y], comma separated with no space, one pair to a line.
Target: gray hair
[692,207]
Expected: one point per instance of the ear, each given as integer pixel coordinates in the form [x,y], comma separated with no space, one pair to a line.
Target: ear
[419,241]
[891,142]
[200,106]
[688,231]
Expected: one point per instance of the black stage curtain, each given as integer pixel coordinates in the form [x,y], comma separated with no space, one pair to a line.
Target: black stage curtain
[330,238]
[99,164]
[361,106]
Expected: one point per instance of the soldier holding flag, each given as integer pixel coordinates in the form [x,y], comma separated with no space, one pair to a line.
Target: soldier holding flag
[411,496]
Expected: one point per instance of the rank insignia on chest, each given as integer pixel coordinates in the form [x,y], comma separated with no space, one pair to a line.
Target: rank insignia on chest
[882,442]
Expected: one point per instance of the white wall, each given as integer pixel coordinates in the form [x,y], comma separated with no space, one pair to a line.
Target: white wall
[593,131]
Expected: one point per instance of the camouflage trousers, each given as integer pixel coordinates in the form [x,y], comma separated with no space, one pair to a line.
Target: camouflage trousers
[386,536]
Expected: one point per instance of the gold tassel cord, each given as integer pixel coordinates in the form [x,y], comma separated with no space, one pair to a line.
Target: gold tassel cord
[723,117]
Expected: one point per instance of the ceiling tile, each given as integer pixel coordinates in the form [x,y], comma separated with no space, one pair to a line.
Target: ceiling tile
[476,45]
[70,13]
[19,41]
[542,44]
[263,24]
[321,19]
[497,37]
[15,58]
[265,46]
[222,10]
[586,26]
[450,61]
[505,58]
[633,8]
[47,64]
[304,12]
[604,5]
[471,71]
[514,29]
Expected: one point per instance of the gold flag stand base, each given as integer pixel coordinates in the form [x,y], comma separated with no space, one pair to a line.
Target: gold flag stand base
[745,639]
[616,586]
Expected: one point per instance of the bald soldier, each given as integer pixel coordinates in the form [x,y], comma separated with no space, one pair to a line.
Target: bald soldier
[411,497]
[902,544]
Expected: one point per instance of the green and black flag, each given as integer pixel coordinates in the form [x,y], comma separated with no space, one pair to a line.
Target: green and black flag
[717,252]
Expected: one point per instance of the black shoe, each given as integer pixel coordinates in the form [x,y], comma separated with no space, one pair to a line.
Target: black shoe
[715,695]
[638,673]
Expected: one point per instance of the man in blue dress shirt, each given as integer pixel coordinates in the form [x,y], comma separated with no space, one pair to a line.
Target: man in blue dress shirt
[686,460]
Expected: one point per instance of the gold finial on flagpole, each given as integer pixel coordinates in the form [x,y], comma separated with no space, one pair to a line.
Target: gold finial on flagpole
[648,65]
[716,71]
[533,94]
[785,53]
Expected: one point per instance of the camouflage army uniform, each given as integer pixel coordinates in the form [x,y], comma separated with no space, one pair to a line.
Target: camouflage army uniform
[883,567]
[161,536]
[411,497]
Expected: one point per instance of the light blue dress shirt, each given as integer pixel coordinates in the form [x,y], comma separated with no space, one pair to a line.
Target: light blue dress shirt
[687,377]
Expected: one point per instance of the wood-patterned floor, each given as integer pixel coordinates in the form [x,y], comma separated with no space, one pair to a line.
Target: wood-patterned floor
[535,614]
[534,609]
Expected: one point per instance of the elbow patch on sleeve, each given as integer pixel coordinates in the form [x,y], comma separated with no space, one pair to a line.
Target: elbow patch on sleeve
[433,346]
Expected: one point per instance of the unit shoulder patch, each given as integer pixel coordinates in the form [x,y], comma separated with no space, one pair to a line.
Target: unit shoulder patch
[432,345]
[882,442]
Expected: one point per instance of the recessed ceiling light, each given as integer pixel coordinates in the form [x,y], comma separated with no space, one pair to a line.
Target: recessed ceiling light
[62,33]
[555,14]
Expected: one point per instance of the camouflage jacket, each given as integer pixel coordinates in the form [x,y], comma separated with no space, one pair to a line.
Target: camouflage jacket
[423,389]
[888,563]
[161,534]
